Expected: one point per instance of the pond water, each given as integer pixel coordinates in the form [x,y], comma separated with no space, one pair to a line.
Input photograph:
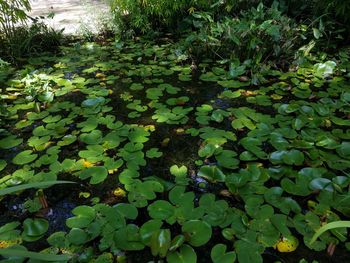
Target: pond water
[139,119]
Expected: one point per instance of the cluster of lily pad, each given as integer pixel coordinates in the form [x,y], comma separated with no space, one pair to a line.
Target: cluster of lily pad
[272,162]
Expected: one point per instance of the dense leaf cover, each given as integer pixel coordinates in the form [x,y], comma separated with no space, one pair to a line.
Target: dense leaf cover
[172,161]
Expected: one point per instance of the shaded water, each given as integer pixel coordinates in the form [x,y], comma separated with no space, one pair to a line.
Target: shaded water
[181,149]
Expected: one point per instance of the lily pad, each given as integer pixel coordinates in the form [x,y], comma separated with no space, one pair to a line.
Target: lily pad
[97,174]
[24,157]
[199,231]
[186,254]
[212,173]
[10,142]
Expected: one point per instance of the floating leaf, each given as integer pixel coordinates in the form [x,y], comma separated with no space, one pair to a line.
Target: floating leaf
[10,142]
[34,229]
[186,254]
[212,173]
[153,153]
[219,255]
[24,157]
[178,171]
[97,174]
[200,232]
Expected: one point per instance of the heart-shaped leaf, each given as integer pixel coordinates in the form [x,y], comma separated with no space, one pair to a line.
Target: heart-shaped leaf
[219,255]
[199,232]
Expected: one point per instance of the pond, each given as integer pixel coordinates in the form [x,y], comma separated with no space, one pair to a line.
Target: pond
[174,160]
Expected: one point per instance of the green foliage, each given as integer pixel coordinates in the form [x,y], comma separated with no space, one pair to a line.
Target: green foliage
[329,226]
[17,38]
[257,34]
[170,162]
[21,252]
[12,12]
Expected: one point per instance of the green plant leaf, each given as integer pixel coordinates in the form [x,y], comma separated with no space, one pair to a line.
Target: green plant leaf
[10,142]
[34,229]
[97,174]
[161,209]
[160,242]
[329,226]
[24,157]
[84,215]
[212,173]
[153,153]
[199,232]
[33,255]
[186,254]
[219,255]
[178,171]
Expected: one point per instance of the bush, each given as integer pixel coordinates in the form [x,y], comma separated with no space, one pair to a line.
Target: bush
[258,34]
[29,40]
[18,38]
[141,16]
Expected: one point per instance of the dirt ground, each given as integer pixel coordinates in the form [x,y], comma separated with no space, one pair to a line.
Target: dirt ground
[72,15]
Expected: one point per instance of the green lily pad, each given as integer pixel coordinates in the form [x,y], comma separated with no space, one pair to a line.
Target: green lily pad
[10,142]
[153,153]
[226,159]
[34,229]
[186,254]
[77,236]
[160,242]
[161,209]
[199,232]
[24,157]
[84,215]
[3,164]
[212,173]
[94,137]
[90,103]
[97,174]
[178,171]
[219,255]
[148,228]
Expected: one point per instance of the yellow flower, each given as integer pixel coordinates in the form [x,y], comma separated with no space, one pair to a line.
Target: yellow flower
[119,192]
[87,164]
[149,128]
[100,75]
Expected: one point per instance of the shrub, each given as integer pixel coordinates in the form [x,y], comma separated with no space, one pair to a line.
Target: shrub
[257,34]
[141,16]
[12,13]
[18,38]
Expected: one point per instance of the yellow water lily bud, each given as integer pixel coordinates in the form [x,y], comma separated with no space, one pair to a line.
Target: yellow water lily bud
[112,171]
[100,75]
[119,192]
[110,91]
[87,164]
[180,131]
[285,244]
[150,128]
